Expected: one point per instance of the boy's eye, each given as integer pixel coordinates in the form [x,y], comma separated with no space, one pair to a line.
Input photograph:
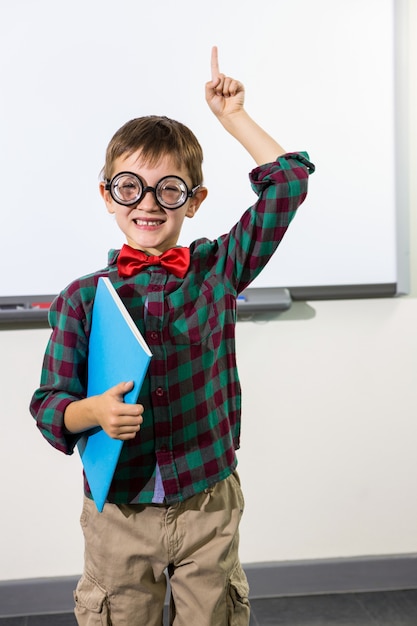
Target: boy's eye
[127,188]
[171,191]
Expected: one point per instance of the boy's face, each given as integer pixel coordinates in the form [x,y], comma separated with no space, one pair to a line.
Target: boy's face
[146,225]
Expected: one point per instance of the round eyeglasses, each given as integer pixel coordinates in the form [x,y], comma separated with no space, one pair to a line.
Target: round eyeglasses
[171,192]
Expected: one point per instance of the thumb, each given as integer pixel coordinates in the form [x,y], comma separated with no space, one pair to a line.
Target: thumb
[122,388]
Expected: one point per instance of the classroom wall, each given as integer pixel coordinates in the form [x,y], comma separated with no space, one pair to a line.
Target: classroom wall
[328,460]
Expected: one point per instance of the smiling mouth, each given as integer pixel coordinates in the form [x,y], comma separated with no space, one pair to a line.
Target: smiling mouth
[148,223]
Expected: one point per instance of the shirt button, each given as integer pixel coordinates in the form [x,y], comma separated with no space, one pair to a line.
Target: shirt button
[154,335]
[164,448]
[159,391]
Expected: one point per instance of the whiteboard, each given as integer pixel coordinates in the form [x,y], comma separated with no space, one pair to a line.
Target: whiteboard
[319,76]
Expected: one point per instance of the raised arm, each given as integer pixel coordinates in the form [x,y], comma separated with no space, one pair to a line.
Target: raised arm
[225,97]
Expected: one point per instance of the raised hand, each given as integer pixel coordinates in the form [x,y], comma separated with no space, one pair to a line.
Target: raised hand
[225,95]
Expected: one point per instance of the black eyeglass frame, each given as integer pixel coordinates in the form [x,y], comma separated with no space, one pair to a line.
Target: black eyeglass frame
[110,184]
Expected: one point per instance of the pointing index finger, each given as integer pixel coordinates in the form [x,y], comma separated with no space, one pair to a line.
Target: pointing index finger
[214,64]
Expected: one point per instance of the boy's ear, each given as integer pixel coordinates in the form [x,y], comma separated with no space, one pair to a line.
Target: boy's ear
[106,197]
[199,196]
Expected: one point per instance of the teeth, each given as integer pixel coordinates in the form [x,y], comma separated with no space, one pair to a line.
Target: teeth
[148,222]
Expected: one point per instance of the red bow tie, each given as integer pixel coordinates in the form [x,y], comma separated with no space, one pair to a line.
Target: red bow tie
[131,261]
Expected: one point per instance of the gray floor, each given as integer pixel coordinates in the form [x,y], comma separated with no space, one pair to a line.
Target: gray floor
[394,608]
[391,608]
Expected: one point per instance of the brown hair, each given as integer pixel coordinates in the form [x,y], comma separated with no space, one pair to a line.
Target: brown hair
[155,137]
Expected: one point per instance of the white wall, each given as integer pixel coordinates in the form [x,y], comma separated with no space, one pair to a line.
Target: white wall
[328,458]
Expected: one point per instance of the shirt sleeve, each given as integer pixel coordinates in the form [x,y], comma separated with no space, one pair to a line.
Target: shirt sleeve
[281,188]
[64,373]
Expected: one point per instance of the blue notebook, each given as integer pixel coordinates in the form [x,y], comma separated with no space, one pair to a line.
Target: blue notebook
[117,353]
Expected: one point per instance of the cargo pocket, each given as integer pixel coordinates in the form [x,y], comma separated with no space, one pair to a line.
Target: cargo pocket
[91,603]
[238,607]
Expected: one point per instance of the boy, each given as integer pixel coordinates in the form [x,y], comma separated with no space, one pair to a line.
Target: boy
[175,501]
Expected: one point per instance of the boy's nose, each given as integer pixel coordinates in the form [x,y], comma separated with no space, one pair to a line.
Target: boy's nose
[148,198]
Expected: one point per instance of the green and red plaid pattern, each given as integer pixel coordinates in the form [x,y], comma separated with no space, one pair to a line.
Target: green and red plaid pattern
[191,394]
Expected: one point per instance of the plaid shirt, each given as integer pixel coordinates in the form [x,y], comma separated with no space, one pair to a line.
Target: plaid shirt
[191,394]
